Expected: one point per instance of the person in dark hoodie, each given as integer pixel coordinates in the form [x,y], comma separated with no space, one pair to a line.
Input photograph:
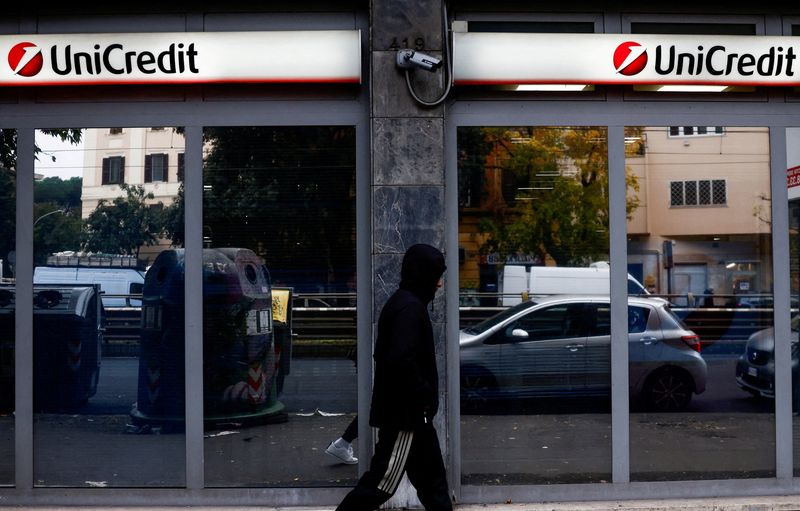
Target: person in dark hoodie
[405,395]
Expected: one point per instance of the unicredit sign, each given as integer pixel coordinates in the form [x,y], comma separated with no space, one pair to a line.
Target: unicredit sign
[494,58]
[205,57]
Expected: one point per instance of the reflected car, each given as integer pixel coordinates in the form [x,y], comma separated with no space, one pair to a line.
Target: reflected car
[755,369]
[561,347]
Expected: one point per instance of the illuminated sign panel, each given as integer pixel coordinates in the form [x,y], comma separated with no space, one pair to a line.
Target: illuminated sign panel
[514,58]
[320,56]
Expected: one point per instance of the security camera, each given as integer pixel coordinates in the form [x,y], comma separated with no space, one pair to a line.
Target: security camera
[411,59]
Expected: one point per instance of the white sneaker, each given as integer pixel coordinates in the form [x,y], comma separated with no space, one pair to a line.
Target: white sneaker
[343,454]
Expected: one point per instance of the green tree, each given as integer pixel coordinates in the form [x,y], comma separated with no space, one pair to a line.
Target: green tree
[172,218]
[66,194]
[555,198]
[286,193]
[124,225]
[8,176]
[55,229]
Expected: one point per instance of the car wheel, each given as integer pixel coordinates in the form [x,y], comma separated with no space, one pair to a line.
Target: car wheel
[668,390]
[477,387]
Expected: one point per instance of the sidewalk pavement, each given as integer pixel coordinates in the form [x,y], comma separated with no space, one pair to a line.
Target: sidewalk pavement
[780,503]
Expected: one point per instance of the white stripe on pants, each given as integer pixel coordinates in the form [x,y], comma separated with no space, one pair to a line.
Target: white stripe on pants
[397,462]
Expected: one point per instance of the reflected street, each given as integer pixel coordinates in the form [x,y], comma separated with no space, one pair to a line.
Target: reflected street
[514,445]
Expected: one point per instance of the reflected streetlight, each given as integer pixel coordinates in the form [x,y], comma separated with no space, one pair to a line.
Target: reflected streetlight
[48,214]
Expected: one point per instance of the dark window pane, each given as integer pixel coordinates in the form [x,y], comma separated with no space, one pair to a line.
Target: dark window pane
[8,237]
[705,192]
[688,353]
[529,229]
[649,27]
[690,192]
[719,191]
[676,193]
[279,217]
[108,394]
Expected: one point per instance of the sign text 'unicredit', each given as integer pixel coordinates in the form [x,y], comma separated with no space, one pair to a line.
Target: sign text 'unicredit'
[114,59]
[290,56]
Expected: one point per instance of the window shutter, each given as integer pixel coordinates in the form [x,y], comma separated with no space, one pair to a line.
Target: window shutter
[166,167]
[148,168]
[106,170]
[122,169]
[180,166]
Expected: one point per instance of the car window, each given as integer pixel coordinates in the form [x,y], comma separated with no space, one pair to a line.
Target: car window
[637,319]
[556,322]
[499,318]
[601,320]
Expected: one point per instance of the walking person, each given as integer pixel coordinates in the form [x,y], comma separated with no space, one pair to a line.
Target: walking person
[405,395]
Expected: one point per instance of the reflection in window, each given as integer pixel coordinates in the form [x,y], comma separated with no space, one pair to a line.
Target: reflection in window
[695,131]
[715,268]
[108,386]
[113,170]
[793,164]
[698,193]
[533,225]
[7,305]
[279,313]
[155,167]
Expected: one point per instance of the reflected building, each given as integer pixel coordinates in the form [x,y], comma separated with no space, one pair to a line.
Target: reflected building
[703,219]
[147,157]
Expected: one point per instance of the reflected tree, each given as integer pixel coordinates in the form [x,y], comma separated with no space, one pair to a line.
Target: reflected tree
[123,225]
[545,193]
[288,194]
[8,166]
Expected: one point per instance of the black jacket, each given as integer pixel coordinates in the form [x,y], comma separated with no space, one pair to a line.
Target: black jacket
[406,387]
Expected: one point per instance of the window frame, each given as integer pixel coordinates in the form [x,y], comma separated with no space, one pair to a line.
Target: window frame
[150,167]
[113,175]
[697,193]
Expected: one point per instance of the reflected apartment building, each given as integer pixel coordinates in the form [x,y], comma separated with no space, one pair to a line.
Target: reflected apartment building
[704,195]
[147,157]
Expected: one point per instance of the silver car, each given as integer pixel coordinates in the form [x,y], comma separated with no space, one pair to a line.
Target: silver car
[561,347]
[755,369]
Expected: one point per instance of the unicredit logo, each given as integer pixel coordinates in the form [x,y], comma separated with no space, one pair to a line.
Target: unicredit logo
[25,59]
[630,58]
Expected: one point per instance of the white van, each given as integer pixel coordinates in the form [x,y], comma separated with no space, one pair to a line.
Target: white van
[520,282]
[113,281]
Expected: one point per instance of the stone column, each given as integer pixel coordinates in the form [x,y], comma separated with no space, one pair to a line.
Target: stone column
[407,166]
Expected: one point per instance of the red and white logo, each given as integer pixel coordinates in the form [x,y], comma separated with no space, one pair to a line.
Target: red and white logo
[25,59]
[630,58]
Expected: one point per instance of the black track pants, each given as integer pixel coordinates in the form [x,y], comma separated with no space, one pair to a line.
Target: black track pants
[416,453]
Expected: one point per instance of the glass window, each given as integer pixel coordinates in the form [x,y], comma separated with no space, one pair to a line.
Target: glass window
[690,195]
[533,226]
[700,409]
[279,307]
[155,167]
[765,357]
[694,193]
[108,379]
[8,238]
[113,170]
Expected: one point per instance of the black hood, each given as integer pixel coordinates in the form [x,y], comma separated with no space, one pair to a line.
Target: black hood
[423,266]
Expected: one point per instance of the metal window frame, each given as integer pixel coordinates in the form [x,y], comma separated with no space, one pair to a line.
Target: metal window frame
[193,115]
[190,109]
[615,114]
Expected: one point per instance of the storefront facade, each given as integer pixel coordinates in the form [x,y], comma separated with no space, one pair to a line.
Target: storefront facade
[328,178]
